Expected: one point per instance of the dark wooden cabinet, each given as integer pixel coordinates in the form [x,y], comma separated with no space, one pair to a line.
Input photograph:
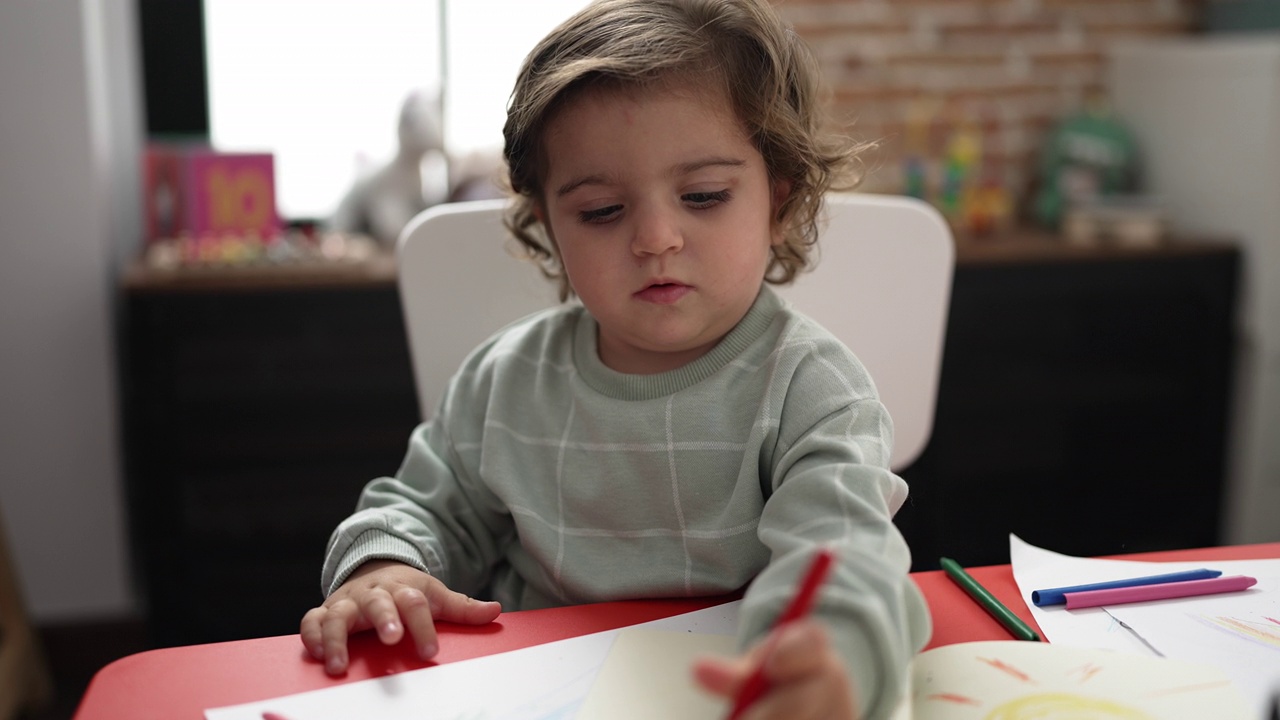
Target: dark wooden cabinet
[1083,403]
[256,407]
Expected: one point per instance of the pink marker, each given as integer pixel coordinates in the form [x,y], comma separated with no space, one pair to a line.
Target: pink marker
[1163,591]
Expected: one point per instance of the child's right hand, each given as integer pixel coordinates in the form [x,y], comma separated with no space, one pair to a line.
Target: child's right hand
[388,596]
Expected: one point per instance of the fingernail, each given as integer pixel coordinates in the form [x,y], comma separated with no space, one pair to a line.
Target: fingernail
[429,650]
[334,665]
[390,627]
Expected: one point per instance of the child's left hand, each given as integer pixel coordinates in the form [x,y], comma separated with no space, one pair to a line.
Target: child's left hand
[807,679]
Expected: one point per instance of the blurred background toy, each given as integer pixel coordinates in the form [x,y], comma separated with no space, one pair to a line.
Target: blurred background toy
[383,202]
[1088,155]
[952,159]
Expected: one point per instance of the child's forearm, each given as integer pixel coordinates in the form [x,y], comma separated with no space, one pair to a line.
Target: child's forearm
[423,517]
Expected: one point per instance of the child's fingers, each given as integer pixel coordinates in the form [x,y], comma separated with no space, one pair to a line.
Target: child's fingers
[801,649]
[456,607]
[380,612]
[721,676]
[335,626]
[416,613]
[309,631]
[726,676]
[807,677]
[810,699]
[390,600]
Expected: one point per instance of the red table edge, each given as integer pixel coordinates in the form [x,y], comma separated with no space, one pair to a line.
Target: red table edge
[181,682]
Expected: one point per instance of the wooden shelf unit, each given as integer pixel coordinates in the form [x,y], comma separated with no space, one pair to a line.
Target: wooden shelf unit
[257,403]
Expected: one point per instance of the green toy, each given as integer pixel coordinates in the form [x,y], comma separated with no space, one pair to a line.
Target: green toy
[1086,156]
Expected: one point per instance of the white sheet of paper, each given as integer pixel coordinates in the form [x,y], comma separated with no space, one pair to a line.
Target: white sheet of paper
[543,682]
[1238,632]
[647,675]
[1035,568]
[1172,628]
[1013,679]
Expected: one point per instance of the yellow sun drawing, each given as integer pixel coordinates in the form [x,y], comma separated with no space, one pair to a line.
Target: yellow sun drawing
[1014,680]
[1064,706]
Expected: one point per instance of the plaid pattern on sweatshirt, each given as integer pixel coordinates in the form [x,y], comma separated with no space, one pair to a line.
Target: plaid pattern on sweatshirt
[546,478]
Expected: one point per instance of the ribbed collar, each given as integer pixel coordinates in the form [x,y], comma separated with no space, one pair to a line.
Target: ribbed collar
[624,386]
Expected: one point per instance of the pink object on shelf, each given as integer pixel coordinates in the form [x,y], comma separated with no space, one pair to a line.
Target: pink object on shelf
[1163,591]
[190,188]
[231,192]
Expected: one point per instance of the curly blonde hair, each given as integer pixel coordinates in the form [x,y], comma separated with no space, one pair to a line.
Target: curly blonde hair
[767,73]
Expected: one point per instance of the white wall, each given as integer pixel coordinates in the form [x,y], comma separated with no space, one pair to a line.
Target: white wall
[69,137]
[1206,112]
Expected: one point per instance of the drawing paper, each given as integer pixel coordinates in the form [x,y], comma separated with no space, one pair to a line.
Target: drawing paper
[1018,680]
[542,682]
[1239,633]
[648,675]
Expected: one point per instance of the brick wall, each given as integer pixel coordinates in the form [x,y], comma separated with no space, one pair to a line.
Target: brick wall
[915,75]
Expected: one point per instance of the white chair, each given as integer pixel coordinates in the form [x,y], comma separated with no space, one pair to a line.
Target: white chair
[882,285]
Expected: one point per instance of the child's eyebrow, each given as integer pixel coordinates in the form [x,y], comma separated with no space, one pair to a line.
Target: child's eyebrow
[681,169]
[696,165]
[576,183]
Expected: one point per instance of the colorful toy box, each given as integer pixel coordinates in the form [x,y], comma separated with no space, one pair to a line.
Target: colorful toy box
[198,190]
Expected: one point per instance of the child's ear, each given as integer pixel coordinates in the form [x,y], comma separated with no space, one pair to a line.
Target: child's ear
[781,192]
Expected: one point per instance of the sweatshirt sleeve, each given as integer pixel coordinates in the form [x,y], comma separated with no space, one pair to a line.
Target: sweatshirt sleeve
[434,514]
[831,487]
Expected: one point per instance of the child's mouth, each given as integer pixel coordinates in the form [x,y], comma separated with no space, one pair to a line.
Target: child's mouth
[665,293]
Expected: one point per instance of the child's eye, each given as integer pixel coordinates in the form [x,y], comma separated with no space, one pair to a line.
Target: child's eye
[600,215]
[702,200]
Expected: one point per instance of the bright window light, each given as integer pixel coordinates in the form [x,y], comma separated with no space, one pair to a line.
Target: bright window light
[319,83]
[487,41]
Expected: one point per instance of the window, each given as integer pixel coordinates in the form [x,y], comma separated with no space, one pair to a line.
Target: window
[319,83]
[487,41]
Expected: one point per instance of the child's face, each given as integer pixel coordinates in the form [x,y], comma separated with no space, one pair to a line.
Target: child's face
[662,210]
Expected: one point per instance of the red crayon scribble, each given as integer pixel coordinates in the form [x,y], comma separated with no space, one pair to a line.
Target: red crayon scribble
[953,698]
[1272,619]
[1086,671]
[1006,668]
[1189,688]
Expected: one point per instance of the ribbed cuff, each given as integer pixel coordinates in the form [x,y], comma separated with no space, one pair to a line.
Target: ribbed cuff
[375,545]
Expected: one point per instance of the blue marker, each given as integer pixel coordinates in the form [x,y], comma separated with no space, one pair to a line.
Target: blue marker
[1056,596]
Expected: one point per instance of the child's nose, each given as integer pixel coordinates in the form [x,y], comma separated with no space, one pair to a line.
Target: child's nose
[656,233]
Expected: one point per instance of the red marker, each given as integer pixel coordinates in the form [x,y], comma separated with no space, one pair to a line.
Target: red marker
[800,606]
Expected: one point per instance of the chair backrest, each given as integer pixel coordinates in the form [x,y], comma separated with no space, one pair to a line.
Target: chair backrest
[882,285]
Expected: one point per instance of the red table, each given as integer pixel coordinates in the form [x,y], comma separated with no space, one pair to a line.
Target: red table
[180,683]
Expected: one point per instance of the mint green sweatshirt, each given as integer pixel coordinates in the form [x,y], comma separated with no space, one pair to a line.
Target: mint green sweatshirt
[546,479]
